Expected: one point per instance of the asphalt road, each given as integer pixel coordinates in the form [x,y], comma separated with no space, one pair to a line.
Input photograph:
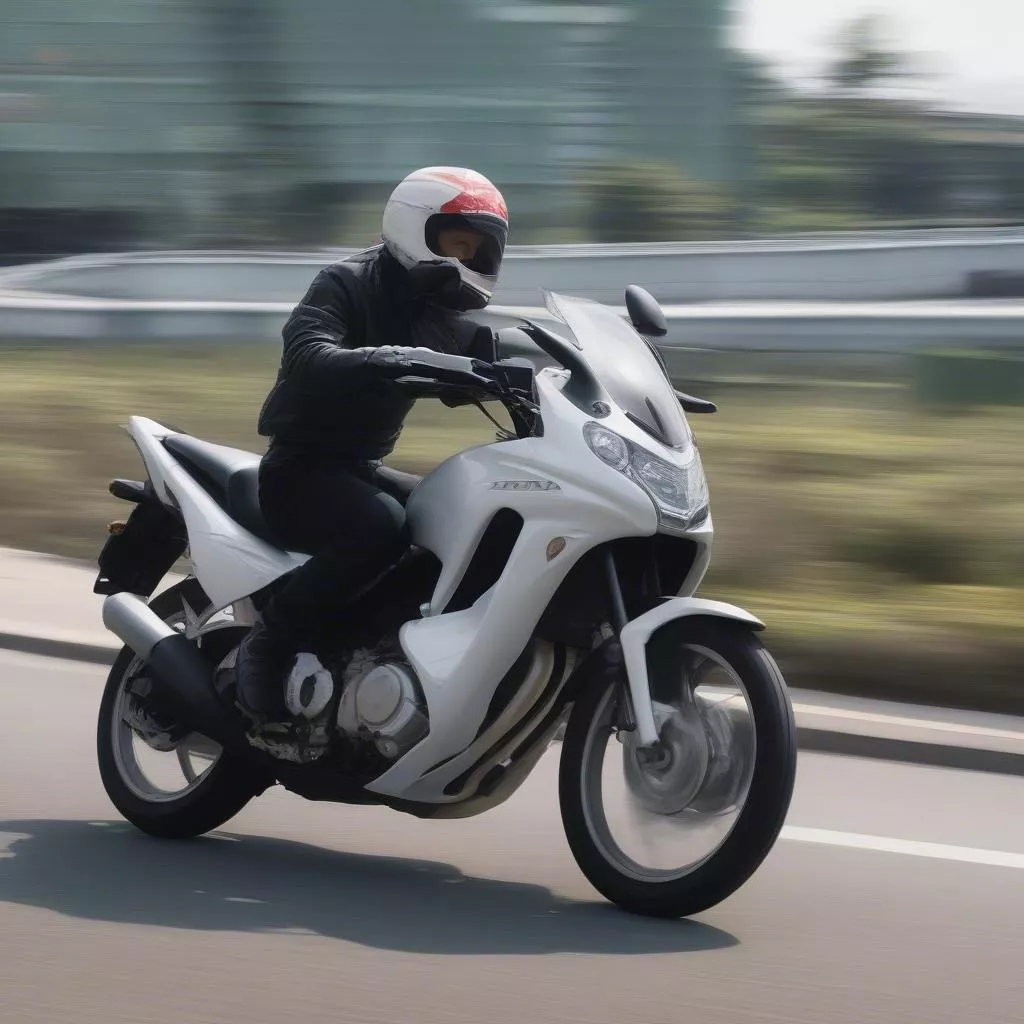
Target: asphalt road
[896,895]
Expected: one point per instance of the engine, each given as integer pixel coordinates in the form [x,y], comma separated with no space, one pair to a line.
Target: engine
[381,706]
[382,703]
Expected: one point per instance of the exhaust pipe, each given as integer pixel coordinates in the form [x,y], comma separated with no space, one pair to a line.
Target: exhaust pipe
[182,674]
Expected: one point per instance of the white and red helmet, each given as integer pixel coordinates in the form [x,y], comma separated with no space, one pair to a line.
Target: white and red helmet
[430,200]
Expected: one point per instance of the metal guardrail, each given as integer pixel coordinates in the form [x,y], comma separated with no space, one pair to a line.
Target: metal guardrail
[810,241]
[872,266]
[780,327]
[810,293]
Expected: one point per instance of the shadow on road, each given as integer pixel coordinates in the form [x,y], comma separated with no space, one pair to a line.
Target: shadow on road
[107,871]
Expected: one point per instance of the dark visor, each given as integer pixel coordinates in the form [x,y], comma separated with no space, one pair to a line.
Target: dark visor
[492,246]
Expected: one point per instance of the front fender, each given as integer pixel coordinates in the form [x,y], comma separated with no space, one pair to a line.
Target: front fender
[636,634]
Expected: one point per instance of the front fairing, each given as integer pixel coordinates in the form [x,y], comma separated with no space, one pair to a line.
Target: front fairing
[627,368]
[637,425]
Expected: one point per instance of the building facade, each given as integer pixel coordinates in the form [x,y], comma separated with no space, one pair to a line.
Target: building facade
[176,120]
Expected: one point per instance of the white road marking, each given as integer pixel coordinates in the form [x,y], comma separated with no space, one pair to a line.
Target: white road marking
[716,694]
[822,711]
[909,847]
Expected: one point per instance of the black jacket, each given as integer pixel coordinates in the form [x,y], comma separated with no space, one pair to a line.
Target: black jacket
[328,398]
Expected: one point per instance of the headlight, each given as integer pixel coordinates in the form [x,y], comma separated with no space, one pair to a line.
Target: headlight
[608,446]
[679,493]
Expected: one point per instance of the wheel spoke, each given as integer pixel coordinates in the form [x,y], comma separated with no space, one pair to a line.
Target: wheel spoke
[185,760]
[197,746]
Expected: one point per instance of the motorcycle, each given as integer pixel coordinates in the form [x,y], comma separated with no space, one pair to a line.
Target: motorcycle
[549,593]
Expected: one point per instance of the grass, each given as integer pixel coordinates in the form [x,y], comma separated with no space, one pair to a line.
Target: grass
[882,544]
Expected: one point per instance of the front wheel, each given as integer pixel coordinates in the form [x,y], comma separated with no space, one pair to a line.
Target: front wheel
[672,831]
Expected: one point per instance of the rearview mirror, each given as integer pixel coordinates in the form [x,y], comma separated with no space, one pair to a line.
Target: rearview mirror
[644,312]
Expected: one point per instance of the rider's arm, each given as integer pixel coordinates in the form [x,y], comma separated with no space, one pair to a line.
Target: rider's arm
[319,358]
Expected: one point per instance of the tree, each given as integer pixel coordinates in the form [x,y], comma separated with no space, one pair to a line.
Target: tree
[864,60]
[651,202]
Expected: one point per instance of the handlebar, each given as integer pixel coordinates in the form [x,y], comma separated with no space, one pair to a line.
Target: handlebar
[432,372]
[460,380]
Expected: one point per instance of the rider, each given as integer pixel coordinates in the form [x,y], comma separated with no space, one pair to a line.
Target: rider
[335,410]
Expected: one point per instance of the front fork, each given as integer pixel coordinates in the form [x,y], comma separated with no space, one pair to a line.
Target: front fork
[637,709]
[633,636]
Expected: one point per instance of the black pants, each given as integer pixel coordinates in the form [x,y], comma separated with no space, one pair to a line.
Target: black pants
[330,508]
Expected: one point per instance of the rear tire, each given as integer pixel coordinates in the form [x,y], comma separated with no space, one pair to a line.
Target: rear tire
[216,796]
[758,823]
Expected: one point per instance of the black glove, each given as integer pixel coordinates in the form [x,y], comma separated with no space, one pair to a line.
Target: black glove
[394,360]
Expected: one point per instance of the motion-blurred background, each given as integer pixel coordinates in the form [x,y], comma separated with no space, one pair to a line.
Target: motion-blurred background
[845,182]
[184,123]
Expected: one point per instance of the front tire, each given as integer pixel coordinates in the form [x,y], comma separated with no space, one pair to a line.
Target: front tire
[719,788]
[139,777]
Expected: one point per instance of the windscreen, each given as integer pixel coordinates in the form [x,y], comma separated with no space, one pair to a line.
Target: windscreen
[626,367]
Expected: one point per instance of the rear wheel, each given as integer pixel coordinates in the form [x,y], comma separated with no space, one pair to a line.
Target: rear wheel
[166,780]
[673,831]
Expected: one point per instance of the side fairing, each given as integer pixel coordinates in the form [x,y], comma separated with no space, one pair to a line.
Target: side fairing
[561,490]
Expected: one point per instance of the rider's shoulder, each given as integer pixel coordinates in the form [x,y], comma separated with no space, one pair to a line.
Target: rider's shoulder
[352,270]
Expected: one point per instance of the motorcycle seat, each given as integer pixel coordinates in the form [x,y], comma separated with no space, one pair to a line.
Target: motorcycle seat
[231,477]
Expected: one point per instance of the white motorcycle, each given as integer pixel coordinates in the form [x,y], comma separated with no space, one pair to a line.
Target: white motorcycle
[550,587]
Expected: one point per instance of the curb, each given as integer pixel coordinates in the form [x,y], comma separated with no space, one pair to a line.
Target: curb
[824,741]
[67,650]
[934,755]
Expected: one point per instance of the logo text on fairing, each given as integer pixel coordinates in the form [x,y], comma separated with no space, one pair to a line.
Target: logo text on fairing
[525,485]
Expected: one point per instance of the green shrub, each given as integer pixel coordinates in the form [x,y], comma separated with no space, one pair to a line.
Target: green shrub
[653,203]
[920,552]
[950,379]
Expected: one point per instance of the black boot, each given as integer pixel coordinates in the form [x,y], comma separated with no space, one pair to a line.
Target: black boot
[264,660]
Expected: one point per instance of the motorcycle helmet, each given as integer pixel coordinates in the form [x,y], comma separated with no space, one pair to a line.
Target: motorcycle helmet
[428,202]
